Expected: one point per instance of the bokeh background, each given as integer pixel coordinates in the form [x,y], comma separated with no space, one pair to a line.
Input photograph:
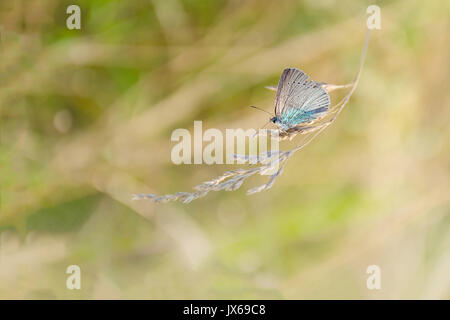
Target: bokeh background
[86,119]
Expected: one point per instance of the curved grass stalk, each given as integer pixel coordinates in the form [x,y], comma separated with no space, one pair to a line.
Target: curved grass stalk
[265,162]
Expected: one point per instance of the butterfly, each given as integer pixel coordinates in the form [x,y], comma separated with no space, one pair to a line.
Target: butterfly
[299,101]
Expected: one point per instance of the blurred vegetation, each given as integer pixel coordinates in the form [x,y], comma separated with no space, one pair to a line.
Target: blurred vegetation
[86,118]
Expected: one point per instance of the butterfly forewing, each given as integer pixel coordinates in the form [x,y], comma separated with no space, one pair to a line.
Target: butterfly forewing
[290,78]
[299,99]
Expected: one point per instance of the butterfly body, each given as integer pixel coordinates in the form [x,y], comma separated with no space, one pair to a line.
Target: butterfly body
[299,101]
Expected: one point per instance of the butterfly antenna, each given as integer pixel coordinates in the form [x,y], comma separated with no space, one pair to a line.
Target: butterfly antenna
[266,122]
[260,109]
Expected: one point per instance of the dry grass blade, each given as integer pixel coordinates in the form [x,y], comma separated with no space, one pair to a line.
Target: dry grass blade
[232,180]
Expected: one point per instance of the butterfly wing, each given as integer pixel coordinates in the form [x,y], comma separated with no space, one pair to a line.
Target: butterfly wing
[290,78]
[299,99]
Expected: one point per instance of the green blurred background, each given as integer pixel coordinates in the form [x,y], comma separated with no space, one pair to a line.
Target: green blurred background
[86,119]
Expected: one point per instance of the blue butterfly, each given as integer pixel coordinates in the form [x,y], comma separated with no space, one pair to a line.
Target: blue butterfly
[299,101]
